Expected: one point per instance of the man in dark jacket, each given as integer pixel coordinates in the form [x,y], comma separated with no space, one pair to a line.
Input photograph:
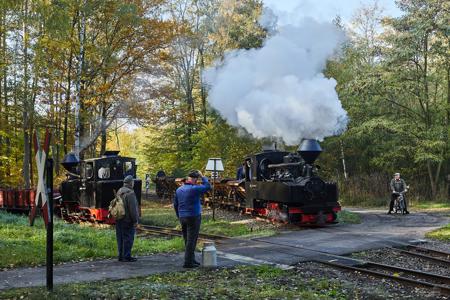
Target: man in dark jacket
[240,174]
[397,185]
[126,227]
[189,210]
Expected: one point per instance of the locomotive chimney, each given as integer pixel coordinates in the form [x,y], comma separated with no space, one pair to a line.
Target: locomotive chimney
[309,150]
[70,162]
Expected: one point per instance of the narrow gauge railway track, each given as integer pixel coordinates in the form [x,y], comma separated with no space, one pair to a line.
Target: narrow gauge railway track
[425,253]
[410,277]
[165,231]
[416,278]
[435,256]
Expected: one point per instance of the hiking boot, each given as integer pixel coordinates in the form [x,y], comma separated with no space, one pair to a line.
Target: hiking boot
[190,266]
[130,259]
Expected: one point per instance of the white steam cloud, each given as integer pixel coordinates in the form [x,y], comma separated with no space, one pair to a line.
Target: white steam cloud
[279,90]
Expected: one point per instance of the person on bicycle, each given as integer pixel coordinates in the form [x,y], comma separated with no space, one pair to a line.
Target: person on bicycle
[397,185]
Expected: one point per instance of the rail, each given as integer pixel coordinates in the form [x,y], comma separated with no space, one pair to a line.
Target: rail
[440,283]
[443,289]
[165,231]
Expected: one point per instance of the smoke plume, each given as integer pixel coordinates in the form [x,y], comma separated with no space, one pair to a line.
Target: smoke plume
[279,90]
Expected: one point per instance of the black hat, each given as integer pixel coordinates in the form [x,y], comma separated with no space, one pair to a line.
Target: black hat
[194,174]
[128,179]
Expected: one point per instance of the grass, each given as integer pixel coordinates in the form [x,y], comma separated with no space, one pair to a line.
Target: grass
[159,214]
[23,245]
[370,202]
[364,202]
[442,234]
[347,217]
[245,282]
[432,205]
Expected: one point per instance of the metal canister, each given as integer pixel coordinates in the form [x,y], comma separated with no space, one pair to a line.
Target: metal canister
[209,255]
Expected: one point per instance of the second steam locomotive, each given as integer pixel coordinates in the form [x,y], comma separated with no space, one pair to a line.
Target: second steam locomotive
[278,185]
[91,184]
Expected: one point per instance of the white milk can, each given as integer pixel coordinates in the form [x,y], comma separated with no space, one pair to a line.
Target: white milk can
[209,255]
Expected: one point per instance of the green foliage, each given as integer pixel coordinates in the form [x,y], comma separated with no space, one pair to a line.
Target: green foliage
[39,61]
[23,245]
[395,89]
[161,149]
[218,139]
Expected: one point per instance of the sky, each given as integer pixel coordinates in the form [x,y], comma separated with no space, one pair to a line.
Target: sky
[325,10]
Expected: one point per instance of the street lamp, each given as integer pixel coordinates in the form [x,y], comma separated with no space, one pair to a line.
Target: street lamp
[214,165]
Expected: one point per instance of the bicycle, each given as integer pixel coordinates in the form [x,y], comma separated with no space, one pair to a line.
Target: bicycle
[399,202]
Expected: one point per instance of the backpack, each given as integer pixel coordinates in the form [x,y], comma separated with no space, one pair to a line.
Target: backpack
[117,208]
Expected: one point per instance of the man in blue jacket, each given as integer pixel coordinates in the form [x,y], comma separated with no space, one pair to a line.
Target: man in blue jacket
[189,210]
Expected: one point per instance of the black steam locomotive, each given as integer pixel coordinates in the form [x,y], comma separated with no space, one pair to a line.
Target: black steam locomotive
[90,186]
[285,186]
[278,185]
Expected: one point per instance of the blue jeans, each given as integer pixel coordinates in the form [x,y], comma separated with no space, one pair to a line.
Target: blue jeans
[125,237]
[191,228]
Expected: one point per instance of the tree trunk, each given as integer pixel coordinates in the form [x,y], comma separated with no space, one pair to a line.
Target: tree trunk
[25,116]
[31,123]
[68,91]
[116,132]
[343,160]
[3,117]
[5,95]
[447,133]
[103,128]
[202,85]
[78,97]
[67,103]
[433,181]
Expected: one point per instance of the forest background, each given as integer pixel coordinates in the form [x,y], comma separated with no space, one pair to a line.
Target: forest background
[126,75]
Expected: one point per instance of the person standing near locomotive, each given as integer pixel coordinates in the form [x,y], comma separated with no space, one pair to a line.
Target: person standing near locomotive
[126,226]
[189,210]
[240,174]
[397,185]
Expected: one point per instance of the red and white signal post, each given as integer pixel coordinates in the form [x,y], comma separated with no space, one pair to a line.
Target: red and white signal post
[44,198]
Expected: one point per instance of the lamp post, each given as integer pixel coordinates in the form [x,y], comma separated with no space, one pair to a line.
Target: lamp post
[214,165]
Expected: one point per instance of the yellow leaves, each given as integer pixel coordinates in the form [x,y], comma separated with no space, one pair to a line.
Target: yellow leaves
[104,88]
